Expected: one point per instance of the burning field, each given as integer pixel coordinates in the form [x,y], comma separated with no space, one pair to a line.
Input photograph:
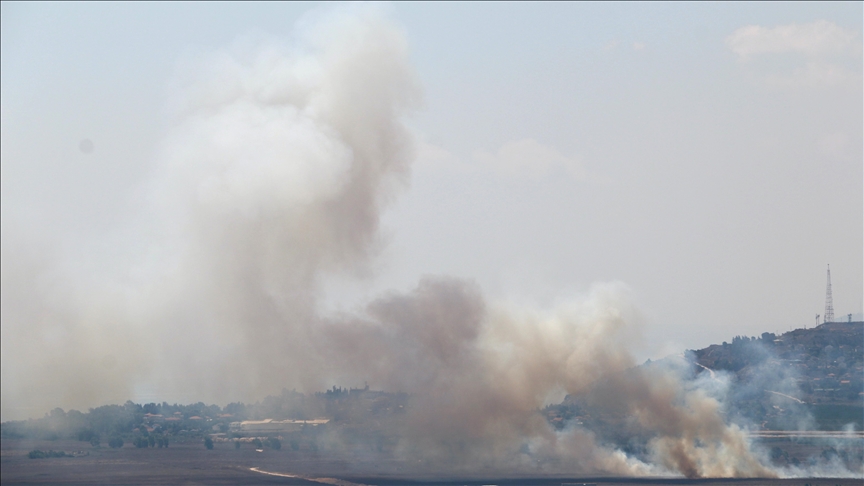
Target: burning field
[193,464]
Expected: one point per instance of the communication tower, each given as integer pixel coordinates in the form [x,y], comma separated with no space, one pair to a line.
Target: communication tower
[829,300]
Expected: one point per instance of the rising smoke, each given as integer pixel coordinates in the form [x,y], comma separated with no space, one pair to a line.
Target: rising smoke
[279,162]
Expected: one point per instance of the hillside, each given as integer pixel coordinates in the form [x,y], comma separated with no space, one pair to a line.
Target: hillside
[826,362]
[807,378]
[804,379]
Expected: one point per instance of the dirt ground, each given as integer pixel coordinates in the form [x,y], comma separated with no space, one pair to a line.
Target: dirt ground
[191,464]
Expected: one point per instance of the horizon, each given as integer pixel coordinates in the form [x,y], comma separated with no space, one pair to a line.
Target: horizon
[351,387]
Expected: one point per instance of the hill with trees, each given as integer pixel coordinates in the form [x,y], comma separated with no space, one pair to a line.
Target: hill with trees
[806,378]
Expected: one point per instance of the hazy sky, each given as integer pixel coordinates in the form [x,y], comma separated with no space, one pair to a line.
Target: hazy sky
[708,156]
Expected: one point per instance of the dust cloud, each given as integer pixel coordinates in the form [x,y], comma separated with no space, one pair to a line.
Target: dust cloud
[280,159]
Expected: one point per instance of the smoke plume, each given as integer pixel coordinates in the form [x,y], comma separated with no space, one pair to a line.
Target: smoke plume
[280,158]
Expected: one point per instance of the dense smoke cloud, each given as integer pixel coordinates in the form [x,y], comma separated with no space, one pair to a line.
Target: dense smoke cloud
[276,175]
[278,161]
[278,164]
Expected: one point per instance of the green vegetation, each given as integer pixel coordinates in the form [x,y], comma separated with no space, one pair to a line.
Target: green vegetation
[154,425]
[37,454]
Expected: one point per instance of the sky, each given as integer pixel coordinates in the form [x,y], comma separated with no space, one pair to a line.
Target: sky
[706,157]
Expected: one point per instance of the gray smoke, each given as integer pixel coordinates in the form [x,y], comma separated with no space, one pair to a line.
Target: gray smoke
[279,161]
[275,175]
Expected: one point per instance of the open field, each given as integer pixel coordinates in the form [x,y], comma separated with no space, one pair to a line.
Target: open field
[190,464]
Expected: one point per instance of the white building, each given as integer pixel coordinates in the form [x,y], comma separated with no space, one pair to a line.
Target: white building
[270,425]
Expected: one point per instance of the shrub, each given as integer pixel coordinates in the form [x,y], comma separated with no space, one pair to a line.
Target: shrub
[37,454]
[208,443]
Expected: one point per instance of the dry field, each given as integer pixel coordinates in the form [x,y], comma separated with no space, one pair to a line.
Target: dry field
[188,464]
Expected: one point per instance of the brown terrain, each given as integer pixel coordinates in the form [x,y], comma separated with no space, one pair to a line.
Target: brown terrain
[191,463]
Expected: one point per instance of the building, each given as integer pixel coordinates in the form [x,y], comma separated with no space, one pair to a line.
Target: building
[274,426]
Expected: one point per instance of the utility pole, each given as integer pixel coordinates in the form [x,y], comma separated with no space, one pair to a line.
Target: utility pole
[817,321]
[829,300]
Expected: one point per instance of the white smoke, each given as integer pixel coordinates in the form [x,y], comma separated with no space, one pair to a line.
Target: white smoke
[278,164]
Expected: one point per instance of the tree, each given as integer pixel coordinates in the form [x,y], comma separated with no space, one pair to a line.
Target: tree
[86,435]
[275,443]
[208,443]
[236,444]
[116,442]
[94,441]
[38,454]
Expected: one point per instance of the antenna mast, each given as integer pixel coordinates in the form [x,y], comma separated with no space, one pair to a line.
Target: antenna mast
[829,300]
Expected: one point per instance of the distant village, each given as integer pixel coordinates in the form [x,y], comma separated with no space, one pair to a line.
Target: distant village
[821,369]
[828,360]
